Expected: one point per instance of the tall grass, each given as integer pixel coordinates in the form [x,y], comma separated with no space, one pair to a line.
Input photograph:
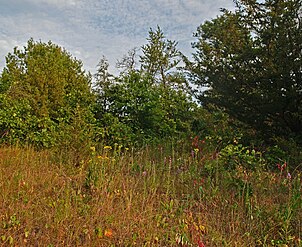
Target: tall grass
[163,196]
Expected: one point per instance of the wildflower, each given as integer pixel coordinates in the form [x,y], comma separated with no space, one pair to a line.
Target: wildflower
[289,176]
[92,149]
[144,173]
[22,183]
[282,167]
[195,182]
[108,233]
[192,154]
[108,147]
[195,141]
[200,243]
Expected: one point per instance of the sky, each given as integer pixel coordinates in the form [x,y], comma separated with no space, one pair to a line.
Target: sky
[90,29]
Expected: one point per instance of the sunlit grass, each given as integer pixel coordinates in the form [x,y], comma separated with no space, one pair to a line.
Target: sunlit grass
[150,197]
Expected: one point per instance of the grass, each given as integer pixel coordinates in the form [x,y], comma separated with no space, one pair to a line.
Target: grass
[149,197]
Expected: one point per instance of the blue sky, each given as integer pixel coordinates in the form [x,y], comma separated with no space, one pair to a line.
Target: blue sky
[89,29]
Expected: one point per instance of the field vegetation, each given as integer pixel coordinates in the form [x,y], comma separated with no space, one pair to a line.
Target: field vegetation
[154,196]
[169,152]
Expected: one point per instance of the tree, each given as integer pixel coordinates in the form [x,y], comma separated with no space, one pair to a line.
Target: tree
[45,88]
[139,111]
[147,104]
[160,58]
[250,63]
[103,79]
[128,63]
[132,113]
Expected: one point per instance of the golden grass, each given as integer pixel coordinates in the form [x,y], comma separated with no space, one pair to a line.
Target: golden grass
[143,198]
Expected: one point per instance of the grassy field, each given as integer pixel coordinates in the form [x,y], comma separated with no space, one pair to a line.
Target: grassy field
[161,196]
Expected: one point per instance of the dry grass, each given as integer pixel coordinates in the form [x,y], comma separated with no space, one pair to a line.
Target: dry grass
[143,198]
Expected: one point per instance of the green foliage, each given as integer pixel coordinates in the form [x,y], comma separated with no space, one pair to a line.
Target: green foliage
[137,110]
[112,130]
[93,171]
[284,150]
[42,91]
[160,57]
[146,105]
[236,155]
[18,125]
[250,61]
[220,129]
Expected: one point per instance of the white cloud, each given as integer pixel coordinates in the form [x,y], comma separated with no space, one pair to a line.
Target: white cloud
[57,3]
[89,29]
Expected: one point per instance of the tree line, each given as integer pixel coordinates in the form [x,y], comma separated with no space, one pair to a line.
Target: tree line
[245,76]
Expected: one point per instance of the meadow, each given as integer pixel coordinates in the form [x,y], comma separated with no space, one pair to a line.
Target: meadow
[170,195]
[171,150]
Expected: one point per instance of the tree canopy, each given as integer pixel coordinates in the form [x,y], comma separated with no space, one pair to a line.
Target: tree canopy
[250,63]
[145,104]
[43,88]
